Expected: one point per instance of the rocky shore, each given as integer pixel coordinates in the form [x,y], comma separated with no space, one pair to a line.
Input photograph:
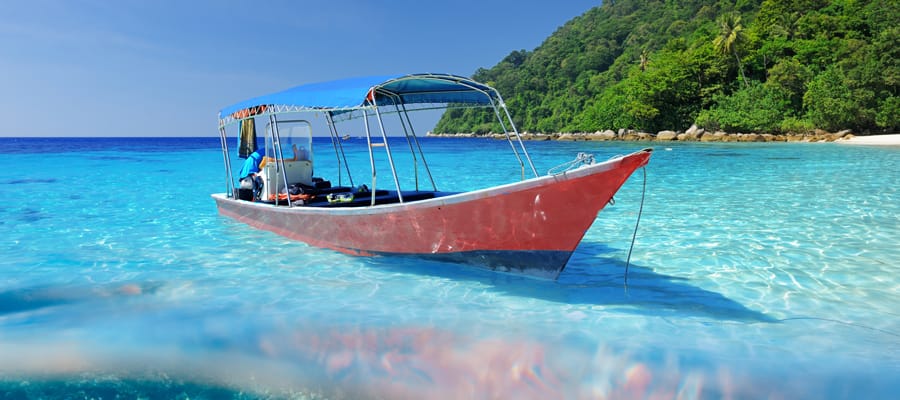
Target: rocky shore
[693,134]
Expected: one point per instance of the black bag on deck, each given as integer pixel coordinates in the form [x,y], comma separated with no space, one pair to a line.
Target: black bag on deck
[295,189]
[245,194]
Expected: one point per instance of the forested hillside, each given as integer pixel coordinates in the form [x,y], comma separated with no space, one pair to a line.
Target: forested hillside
[776,66]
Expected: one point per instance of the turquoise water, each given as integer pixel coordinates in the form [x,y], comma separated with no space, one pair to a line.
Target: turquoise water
[759,270]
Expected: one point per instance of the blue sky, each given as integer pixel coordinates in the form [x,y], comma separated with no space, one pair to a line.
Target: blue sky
[165,68]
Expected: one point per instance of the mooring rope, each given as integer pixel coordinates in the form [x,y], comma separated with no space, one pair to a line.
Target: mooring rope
[580,159]
[636,223]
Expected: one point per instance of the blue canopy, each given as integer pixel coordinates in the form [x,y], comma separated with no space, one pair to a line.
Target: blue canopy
[354,93]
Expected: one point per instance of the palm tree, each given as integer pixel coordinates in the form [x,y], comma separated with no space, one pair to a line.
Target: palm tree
[645,59]
[731,38]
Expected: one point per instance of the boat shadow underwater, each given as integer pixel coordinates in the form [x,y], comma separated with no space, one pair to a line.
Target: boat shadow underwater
[595,275]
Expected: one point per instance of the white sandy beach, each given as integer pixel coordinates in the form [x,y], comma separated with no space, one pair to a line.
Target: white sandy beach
[875,140]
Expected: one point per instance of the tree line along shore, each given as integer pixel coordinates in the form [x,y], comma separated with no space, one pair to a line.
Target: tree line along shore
[692,134]
[785,67]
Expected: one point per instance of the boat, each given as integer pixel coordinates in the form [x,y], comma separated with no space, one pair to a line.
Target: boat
[530,226]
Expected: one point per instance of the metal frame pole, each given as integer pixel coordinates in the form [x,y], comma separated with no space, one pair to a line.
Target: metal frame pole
[331,135]
[371,154]
[387,149]
[500,119]
[333,127]
[279,159]
[513,126]
[421,154]
[229,177]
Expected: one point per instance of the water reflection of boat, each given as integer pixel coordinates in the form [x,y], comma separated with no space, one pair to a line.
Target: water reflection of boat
[529,227]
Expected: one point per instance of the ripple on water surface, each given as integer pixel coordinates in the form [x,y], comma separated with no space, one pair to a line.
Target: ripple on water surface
[757,271]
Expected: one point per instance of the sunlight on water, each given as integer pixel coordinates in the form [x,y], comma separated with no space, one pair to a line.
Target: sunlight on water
[759,270]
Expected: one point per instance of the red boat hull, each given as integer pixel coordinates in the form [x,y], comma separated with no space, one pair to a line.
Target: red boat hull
[530,227]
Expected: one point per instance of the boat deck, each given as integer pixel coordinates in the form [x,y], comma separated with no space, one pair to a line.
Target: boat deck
[359,199]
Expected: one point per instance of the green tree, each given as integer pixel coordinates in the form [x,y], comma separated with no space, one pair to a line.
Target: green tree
[829,102]
[888,116]
[791,76]
[731,38]
[755,108]
[645,60]
[768,65]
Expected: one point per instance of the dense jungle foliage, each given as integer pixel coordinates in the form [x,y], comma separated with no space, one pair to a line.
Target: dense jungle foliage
[774,66]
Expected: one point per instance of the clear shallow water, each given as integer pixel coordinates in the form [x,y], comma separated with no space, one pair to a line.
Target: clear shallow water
[759,270]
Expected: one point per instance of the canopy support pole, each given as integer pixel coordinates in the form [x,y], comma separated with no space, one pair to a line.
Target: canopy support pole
[331,131]
[333,128]
[506,131]
[412,130]
[371,155]
[406,134]
[509,139]
[515,131]
[387,149]
[279,159]
[229,178]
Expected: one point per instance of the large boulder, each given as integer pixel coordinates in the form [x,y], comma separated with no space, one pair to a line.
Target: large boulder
[693,130]
[841,134]
[666,135]
[630,135]
[603,136]
[750,137]
[532,136]
[695,133]
[718,136]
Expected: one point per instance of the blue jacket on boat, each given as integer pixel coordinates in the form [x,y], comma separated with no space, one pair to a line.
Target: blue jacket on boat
[251,165]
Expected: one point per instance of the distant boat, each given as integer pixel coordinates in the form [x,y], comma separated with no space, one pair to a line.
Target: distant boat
[529,227]
[346,137]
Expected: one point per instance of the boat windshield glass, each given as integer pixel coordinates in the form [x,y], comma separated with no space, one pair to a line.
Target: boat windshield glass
[294,133]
